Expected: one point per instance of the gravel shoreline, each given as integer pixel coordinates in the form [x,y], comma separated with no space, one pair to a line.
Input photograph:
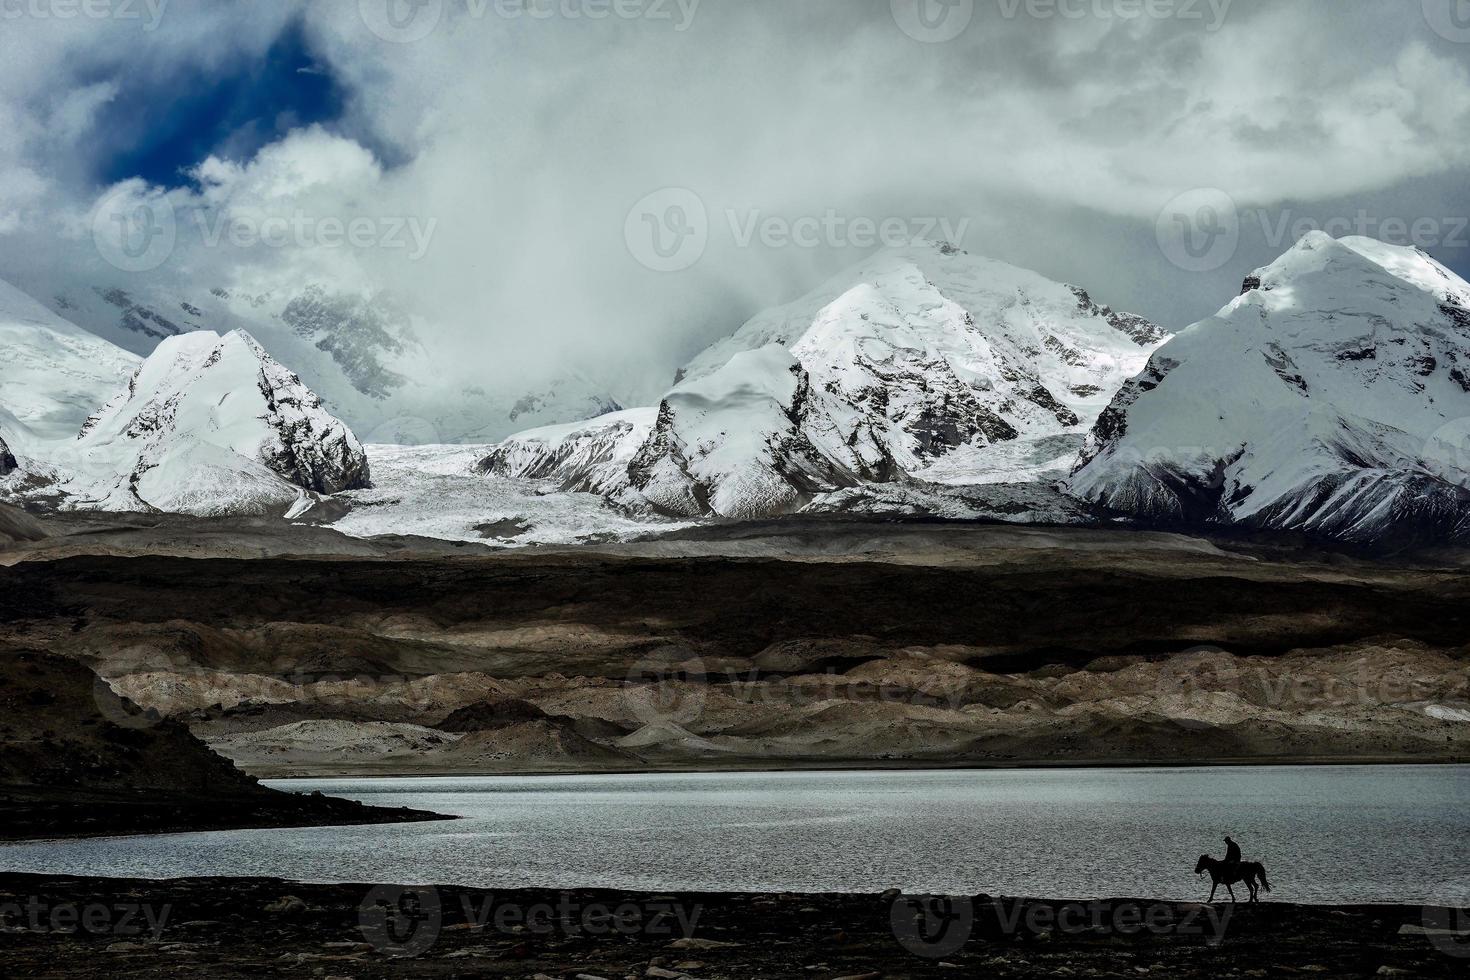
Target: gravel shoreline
[81,927]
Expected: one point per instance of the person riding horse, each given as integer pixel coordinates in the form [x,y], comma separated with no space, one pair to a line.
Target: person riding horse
[1233,870]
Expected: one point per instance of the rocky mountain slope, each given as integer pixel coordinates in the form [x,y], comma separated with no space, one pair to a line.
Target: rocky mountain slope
[1332,397]
[213,424]
[793,643]
[79,759]
[913,355]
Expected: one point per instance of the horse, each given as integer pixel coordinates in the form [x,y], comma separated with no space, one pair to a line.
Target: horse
[1253,873]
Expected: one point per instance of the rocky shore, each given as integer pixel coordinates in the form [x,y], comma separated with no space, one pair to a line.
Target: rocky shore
[75,928]
[77,760]
[798,646]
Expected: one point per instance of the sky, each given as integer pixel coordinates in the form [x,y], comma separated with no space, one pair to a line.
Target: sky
[614,184]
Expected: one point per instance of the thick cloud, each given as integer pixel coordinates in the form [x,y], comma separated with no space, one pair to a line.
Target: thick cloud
[516,135]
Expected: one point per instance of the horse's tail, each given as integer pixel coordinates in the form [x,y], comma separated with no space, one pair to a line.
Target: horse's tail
[1264,883]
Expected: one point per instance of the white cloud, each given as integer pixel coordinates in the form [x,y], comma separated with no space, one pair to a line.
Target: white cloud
[525,141]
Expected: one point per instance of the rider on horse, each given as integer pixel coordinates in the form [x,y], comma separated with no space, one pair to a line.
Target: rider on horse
[1233,870]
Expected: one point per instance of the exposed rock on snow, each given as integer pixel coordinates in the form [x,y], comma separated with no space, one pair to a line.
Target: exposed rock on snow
[212,425]
[582,457]
[7,459]
[1331,397]
[912,356]
[735,442]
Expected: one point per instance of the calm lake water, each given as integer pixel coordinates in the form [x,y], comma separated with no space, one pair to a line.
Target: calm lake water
[1326,835]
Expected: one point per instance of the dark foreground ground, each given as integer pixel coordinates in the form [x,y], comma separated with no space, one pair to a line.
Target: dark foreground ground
[68,927]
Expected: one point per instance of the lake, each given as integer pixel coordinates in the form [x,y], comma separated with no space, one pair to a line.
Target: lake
[1326,834]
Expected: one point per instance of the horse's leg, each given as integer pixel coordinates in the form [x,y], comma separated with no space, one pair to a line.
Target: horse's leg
[1214,888]
[1233,899]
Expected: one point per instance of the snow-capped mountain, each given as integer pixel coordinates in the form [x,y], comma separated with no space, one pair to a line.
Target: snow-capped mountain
[212,425]
[736,442]
[582,457]
[53,374]
[360,351]
[7,459]
[931,323]
[906,358]
[1332,397]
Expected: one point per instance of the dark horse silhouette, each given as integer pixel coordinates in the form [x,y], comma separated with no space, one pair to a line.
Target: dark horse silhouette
[1253,873]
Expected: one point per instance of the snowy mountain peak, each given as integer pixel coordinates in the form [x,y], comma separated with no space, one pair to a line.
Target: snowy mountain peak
[1329,397]
[909,359]
[210,415]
